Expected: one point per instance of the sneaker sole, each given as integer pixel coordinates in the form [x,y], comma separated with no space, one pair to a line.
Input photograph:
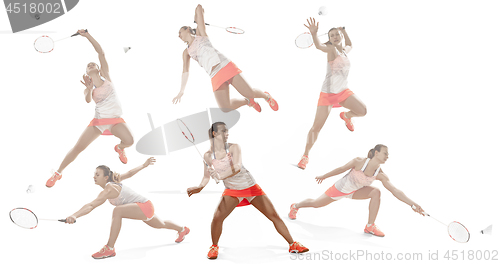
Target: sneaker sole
[105,257]
[373,234]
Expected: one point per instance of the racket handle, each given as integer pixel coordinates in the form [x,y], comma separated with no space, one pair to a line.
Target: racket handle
[64,220]
[76,34]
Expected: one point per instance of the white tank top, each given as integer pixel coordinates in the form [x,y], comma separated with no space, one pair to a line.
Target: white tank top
[336,73]
[107,103]
[240,181]
[355,180]
[202,51]
[126,196]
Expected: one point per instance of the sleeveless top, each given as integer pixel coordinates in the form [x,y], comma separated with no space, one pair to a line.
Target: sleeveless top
[126,196]
[336,73]
[202,51]
[240,181]
[355,180]
[107,103]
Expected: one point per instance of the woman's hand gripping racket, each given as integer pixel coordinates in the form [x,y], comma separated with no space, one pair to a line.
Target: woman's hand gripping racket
[25,218]
[189,136]
[45,44]
[233,30]
[456,230]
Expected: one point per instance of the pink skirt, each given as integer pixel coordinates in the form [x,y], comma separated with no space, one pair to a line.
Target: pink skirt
[225,74]
[106,121]
[334,99]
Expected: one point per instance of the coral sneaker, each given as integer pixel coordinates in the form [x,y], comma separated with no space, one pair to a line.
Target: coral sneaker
[214,252]
[181,235]
[303,162]
[55,177]
[296,247]
[348,122]
[272,103]
[255,105]
[121,152]
[373,229]
[293,212]
[105,252]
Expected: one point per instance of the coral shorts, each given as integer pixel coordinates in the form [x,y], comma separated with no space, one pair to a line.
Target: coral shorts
[105,124]
[245,196]
[334,99]
[225,74]
[337,195]
[148,209]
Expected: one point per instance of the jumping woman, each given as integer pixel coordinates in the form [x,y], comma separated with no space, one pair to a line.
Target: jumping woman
[241,188]
[222,71]
[335,91]
[107,119]
[356,185]
[128,205]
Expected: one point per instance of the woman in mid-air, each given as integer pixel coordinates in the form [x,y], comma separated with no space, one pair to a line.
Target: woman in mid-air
[241,188]
[335,91]
[222,71]
[128,205]
[356,185]
[107,119]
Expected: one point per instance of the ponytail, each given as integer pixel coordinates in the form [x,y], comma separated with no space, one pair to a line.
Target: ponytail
[378,148]
[112,176]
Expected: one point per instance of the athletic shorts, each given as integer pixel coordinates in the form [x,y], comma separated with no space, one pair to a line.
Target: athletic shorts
[334,99]
[148,209]
[337,195]
[225,74]
[105,124]
[245,196]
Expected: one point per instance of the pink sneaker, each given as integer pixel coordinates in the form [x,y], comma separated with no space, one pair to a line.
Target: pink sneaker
[181,235]
[348,122]
[55,177]
[272,103]
[214,252]
[121,152]
[105,252]
[373,229]
[293,212]
[296,247]
[254,104]
[303,162]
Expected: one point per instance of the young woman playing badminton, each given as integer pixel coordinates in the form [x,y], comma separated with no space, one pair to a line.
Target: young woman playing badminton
[128,205]
[356,185]
[222,71]
[241,188]
[107,119]
[334,92]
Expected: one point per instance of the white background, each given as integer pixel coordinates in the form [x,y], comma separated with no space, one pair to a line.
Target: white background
[426,71]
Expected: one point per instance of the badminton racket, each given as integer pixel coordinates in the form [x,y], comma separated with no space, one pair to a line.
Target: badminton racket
[45,44]
[456,230]
[305,40]
[233,30]
[189,136]
[25,218]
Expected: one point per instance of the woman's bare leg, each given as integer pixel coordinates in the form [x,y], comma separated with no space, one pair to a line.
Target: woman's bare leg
[88,136]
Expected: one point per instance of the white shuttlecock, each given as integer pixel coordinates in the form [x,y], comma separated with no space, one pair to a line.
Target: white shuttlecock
[31,189]
[126,49]
[488,230]
[323,11]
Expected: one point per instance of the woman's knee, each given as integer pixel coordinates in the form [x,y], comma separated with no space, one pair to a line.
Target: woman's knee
[375,193]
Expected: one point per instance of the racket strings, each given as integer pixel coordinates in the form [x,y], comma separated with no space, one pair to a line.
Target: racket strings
[304,40]
[185,131]
[23,218]
[44,44]
[235,30]
[458,232]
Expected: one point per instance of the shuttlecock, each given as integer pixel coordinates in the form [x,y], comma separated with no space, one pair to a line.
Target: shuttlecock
[31,189]
[488,230]
[323,11]
[126,49]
